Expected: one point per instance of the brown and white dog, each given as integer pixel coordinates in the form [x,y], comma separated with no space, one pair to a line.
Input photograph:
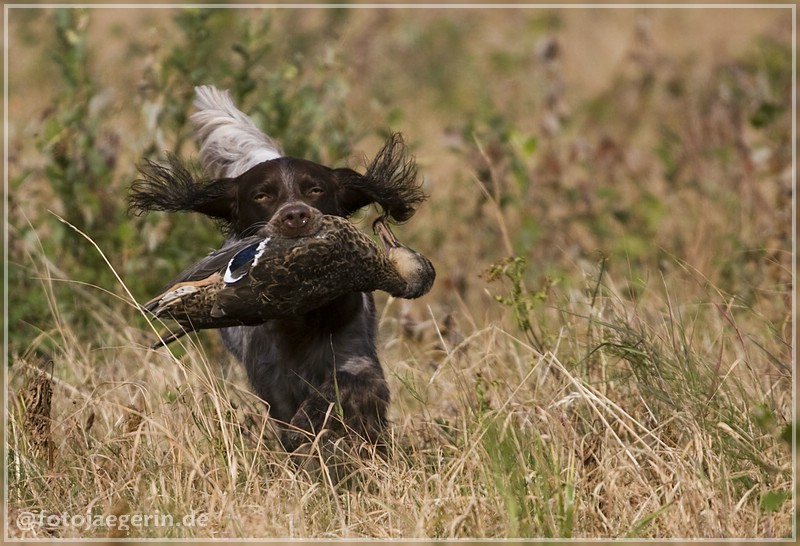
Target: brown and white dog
[319,371]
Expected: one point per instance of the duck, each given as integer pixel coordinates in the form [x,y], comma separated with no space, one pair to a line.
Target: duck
[272,274]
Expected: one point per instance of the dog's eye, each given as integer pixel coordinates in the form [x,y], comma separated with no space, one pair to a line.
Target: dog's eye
[263,197]
[315,191]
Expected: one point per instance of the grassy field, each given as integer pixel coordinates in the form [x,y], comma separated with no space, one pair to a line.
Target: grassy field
[608,349]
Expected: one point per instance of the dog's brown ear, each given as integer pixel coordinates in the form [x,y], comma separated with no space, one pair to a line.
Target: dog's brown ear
[219,200]
[172,187]
[351,196]
[390,181]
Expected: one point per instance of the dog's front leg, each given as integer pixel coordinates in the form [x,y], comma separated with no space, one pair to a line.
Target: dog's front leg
[351,403]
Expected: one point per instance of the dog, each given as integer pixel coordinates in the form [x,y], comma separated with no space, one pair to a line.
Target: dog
[319,371]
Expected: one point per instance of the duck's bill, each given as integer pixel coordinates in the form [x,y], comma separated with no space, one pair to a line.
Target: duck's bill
[385,234]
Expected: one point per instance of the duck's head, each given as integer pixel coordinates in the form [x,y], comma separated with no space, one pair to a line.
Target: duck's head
[415,269]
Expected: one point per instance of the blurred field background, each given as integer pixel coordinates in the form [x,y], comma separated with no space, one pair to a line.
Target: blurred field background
[607,351]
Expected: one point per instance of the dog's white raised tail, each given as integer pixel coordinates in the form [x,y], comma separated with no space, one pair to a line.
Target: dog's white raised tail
[230,143]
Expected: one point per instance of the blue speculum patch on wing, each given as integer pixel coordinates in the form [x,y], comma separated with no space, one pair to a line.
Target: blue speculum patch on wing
[243,261]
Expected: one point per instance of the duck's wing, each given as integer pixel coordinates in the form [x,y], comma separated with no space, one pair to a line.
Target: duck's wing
[233,261]
[292,276]
[281,277]
[218,260]
[246,257]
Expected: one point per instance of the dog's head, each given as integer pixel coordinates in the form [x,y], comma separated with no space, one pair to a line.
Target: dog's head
[286,189]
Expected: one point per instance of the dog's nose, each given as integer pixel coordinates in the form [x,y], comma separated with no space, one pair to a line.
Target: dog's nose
[296,216]
[295,220]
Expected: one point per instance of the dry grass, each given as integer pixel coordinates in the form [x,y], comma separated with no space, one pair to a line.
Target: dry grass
[491,438]
[628,374]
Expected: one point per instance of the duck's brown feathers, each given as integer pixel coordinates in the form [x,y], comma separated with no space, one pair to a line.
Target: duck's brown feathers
[269,276]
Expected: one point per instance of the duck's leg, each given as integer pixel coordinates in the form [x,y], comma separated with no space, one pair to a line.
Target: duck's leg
[352,402]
